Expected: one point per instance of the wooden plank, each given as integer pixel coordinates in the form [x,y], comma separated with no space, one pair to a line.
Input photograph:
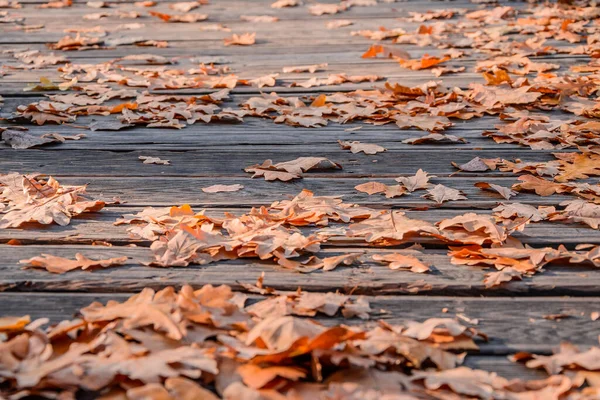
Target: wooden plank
[369,278]
[512,324]
[257,132]
[99,227]
[202,163]
[170,191]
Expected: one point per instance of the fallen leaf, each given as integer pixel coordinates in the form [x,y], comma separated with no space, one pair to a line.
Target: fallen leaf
[154,160]
[501,190]
[222,188]
[60,265]
[402,261]
[419,181]
[371,187]
[357,147]
[288,170]
[245,39]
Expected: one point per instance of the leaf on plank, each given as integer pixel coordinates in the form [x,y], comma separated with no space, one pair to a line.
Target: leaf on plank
[416,182]
[440,194]
[294,169]
[501,190]
[357,147]
[222,188]
[60,265]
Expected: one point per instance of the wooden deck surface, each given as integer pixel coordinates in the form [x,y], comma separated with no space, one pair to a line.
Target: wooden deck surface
[206,154]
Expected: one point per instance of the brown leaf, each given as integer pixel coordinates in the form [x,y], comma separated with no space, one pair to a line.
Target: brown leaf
[154,160]
[503,191]
[222,188]
[339,23]
[435,137]
[441,194]
[256,377]
[371,187]
[8,324]
[305,68]
[357,147]
[478,165]
[189,18]
[419,181]
[293,169]
[402,261]
[60,265]
[245,39]
[25,140]
[285,3]
[425,62]
[259,19]
[498,277]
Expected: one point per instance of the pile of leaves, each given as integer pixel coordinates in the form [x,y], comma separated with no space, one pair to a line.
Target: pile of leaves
[31,199]
[207,343]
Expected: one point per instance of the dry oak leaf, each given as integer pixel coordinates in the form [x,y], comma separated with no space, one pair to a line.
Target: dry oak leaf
[497,77]
[423,122]
[153,160]
[503,191]
[416,182]
[579,211]
[177,388]
[393,227]
[245,39]
[357,147]
[494,96]
[478,165]
[189,18]
[222,188]
[267,80]
[402,261]
[288,170]
[339,23]
[321,8]
[60,265]
[385,51]
[540,186]
[508,211]
[580,167]
[29,199]
[568,357]
[463,381]
[257,377]
[440,194]
[425,62]
[279,334]
[305,68]
[25,140]
[8,324]
[371,187]
[524,260]
[472,228]
[185,6]
[435,137]
[497,278]
[259,19]
[285,3]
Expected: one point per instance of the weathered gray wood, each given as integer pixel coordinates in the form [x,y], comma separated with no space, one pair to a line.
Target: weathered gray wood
[257,192]
[368,278]
[209,162]
[99,227]
[512,324]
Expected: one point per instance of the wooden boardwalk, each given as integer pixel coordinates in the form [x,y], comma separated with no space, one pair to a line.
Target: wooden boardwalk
[512,314]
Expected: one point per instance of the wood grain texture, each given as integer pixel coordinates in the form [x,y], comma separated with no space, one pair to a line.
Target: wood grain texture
[206,154]
[368,278]
[513,324]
